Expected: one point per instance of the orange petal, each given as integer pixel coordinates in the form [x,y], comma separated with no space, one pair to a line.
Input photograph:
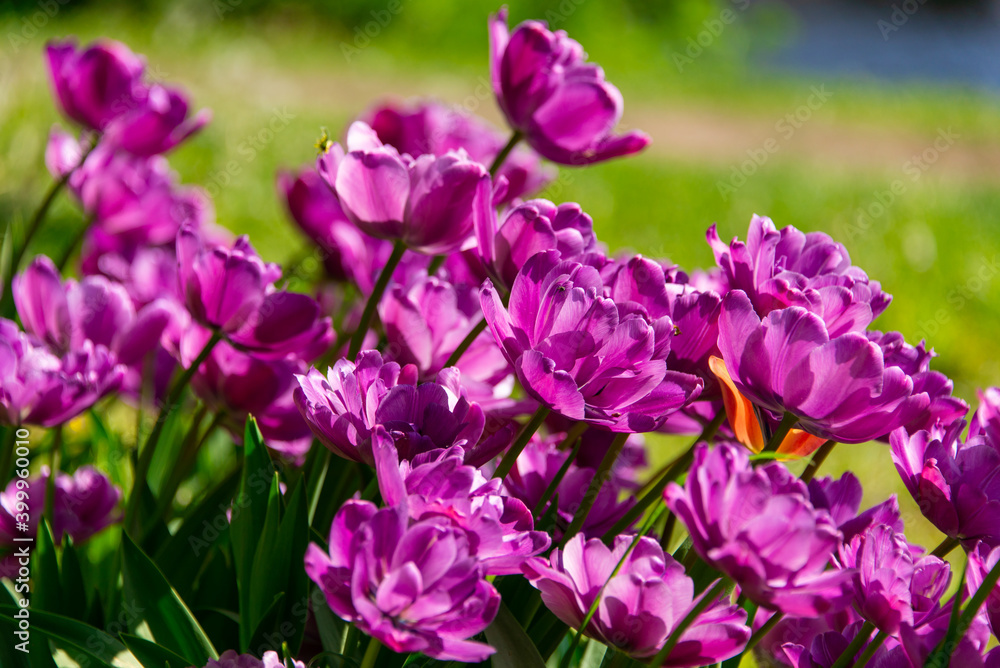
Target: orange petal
[800,444]
[739,410]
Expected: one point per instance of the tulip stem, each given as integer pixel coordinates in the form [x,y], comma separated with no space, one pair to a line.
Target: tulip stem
[466,343]
[376,296]
[507,462]
[723,585]
[573,436]
[7,452]
[871,649]
[817,460]
[597,599]
[757,636]
[601,475]
[498,161]
[371,654]
[847,656]
[55,452]
[946,546]
[77,240]
[788,421]
[671,473]
[435,264]
[146,455]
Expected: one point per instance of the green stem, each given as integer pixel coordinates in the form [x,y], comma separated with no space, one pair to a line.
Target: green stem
[50,485]
[376,296]
[985,589]
[846,658]
[76,241]
[946,546]
[602,474]
[817,460]
[7,453]
[498,161]
[788,420]
[671,473]
[435,264]
[708,599]
[507,463]
[871,649]
[573,436]
[466,343]
[146,455]
[371,654]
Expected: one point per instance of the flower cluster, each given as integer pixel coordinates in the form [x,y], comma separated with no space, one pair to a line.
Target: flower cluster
[459,397]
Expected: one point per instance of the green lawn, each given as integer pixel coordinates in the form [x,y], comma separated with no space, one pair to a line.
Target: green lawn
[933,247]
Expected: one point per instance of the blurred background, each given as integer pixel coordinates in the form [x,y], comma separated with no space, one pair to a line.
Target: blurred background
[877,122]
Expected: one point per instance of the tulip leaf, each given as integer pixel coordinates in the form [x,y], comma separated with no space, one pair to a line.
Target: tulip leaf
[514,647]
[161,612]
[594,653]
[46,594]
[74,591]
[91,646]
[151,655]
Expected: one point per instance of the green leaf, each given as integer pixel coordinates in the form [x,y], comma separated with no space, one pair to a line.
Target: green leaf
[46,594]
[264,634]
[162,613]
[293,539]
[76,638]
[332,628]
[514,647]
[74,590]
[593,655]
[151,655]
[9,655]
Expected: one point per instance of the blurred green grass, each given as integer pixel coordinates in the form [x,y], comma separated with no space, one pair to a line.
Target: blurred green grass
[933,248]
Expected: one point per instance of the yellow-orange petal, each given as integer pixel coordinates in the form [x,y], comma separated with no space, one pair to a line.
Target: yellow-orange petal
[739,410]
[799,444]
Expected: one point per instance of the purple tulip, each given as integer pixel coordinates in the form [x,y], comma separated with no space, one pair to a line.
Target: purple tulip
[430,203]
[561,104]
[777,269]
[532,227]
[343,408]
[232,289]
[230,659]
[83,504]
[239,384]
[582,354]
[38,387]
[841,498]
[837,386]
[642,603]
[982,560]
[157,124]
[956,484]
[439,484]
[426,320]
[414,587]
[536,468]
[95,85]
[434,128]
[758,527]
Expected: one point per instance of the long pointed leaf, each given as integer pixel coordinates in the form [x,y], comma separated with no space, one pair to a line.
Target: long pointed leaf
[151,655]
[514,647]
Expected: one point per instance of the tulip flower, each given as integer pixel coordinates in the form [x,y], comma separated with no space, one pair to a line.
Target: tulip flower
[548,93]
[641,605]
[414,587]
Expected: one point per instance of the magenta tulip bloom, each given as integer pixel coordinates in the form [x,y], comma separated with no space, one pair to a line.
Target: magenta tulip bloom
[157,124]
[230,659]
[837,386]
[841,498]
[758,527]
[430,203]
[231,289]
[532,227]
[37,387]
[414,587]
[431,127]
[777,269]
[641,605]
[439,484]
[536,467]
[981,561]
[956,484]
[98,84]
[426,320]
[343,408]
[581,354]
[560,103]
